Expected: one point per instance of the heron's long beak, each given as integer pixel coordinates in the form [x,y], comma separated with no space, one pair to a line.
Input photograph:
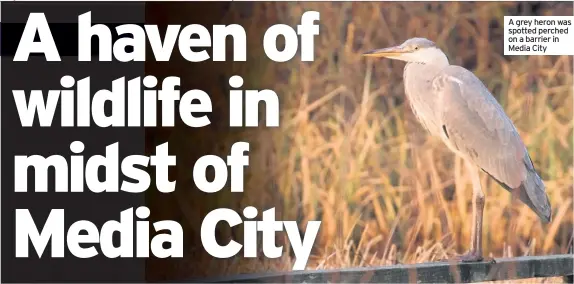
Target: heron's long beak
[386,52]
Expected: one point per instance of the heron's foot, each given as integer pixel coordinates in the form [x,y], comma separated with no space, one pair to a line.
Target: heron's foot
[473,256]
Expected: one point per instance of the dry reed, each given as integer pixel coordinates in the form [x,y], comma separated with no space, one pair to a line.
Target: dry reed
[350,154]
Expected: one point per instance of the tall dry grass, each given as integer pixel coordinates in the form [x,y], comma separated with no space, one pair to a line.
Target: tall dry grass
[350,154]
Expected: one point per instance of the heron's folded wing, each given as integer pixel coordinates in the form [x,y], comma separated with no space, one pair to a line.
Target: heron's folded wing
[477,126]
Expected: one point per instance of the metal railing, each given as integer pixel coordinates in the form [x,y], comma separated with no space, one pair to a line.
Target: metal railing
[431,272]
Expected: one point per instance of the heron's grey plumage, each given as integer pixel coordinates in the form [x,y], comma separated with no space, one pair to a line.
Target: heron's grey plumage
[480,130]
[453,104]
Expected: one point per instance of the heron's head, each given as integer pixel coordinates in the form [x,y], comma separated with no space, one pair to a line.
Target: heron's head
[413,50]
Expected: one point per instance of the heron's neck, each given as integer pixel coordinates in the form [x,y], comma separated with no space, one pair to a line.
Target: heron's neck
[428,66]
[422,71]
[437,59]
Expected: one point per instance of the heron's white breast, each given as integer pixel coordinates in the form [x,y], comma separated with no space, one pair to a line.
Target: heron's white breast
[418,89]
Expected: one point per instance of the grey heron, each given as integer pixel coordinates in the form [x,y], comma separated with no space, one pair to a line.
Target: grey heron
[453,104]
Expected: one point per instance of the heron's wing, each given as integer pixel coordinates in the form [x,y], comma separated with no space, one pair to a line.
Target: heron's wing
[477,126]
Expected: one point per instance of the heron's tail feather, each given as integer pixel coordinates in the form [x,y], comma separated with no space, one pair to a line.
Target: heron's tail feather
[531,192]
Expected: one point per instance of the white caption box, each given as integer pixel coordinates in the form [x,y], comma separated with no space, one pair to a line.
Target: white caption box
[538,35]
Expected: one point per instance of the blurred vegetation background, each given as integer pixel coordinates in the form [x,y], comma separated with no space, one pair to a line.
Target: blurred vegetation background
[350,153]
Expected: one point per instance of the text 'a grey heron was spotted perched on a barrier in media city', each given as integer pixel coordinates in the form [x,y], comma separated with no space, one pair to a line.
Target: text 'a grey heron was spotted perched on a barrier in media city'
[453,104]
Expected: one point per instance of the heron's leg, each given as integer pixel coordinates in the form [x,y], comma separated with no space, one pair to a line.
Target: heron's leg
[475,252]
[478,200]
[477,211]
